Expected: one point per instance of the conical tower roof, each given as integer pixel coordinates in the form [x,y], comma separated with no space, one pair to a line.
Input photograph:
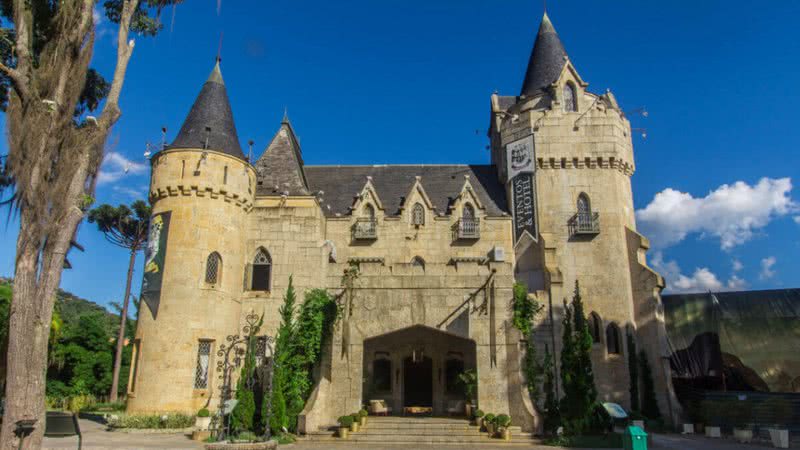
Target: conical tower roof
[210,121]
[547,59]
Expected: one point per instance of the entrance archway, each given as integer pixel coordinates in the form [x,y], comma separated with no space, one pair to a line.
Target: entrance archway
[418,382]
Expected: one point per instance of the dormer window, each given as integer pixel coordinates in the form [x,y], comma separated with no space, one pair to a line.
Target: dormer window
[418,215]
[366,226]
[570,99]
[468,227]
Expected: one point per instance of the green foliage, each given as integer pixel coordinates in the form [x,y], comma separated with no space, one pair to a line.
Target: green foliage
[503,420]
[123,226]
[204,412]
[363,413]
[577,378]
[552,412]
[284,438]
[525,312]
[286,389]
[151,421]
[488,418]
[478,413]
[244,411]
[649,401]
[345,421]
[469,380]
[277,420]
[633,373]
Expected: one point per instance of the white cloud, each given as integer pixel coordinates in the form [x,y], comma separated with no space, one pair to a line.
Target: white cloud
[137,193]
[115,166]
[731,213]
[766,268]
[702,280]
[797,220]
[737,265]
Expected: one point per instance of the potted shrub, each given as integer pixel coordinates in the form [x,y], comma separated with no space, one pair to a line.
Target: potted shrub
[362,417]
[469,382]
[503,422]
[355,423]
[488,423]
[203,419]
[345,422]
[743,430]
[478,418]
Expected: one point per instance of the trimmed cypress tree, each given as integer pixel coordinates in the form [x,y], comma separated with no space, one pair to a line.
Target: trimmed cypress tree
[245,409]
[577,377]
[633,372]
[552,414]
[282,377]
[649,401]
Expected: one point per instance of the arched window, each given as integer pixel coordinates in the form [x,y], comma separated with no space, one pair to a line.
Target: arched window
[381,375]
[469,212]
[570,98]
[418,215]
[453,368]
[584,207]
[262,271]
[417,261]
[612,339]
[213,268]
[369,211]
[595,325]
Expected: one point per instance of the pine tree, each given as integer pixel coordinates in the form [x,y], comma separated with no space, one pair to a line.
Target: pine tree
[244,412]
[283,385]
[633,372]
[649,401]
[552,414]
[580,393]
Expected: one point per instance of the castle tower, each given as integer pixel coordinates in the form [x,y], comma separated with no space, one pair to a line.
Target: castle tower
[566,156]
[202,188]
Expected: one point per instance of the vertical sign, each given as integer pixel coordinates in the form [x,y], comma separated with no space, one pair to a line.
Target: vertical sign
[520,160]
[155,256]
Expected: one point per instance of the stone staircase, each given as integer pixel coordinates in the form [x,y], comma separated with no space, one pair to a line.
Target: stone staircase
[421,430]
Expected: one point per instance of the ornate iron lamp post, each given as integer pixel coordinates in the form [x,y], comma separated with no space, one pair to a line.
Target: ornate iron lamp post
[231,356]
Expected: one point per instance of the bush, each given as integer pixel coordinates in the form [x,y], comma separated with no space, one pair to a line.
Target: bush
[152,421]
[363,413]
[503,420]
[488,418]
[79,403]
[106,407]
[246,436]
[204,413]
[355,417]
[478,413]
[346,421]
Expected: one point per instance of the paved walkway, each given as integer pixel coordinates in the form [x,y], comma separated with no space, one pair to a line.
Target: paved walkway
[96,437]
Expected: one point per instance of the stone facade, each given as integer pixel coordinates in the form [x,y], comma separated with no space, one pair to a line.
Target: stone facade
[434,245]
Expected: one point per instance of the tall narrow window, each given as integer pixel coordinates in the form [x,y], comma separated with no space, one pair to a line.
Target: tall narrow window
[225,175]
[137,349]
[213,268]
[595,325]
[203,360]
[183,167]
[584,207]
[612,339]
[418,215]
[262,271]
[570,98]
[469,212]
[369,211]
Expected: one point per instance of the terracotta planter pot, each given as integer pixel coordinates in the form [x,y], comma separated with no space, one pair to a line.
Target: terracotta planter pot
[343,432]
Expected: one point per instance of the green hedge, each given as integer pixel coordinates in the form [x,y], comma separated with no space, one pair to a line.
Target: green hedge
[153,421]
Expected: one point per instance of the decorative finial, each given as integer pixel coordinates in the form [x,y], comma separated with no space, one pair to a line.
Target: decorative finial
[285,115]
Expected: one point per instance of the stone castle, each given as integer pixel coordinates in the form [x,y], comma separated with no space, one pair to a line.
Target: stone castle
[438,247]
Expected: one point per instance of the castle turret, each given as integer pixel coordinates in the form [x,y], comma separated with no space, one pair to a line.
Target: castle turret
[201,189]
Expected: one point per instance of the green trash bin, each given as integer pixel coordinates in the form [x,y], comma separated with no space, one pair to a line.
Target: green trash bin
[634,439]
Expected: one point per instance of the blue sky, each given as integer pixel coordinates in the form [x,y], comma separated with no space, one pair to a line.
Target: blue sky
[408,81]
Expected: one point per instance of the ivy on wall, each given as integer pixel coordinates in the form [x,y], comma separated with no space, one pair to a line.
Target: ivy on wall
[525,311]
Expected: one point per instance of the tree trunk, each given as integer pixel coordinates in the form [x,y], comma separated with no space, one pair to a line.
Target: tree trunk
[112,397]
[29,326]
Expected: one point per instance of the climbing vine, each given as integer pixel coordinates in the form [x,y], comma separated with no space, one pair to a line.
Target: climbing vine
[525,311]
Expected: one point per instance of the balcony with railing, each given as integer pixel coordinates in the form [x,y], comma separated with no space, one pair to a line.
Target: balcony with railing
[365,229]
[467,229]
[584,224]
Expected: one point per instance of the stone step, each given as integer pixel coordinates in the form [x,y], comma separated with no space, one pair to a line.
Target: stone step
[427,427]
[429,436]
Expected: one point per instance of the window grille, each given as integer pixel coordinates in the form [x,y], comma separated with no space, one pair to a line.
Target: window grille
[213,265]
[203,360]
[612,339]
[262,271]
[418,215]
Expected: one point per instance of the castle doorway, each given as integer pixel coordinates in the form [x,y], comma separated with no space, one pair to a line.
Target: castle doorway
[418,382]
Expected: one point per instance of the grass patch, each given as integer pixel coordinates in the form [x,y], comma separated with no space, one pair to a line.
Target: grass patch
[284,438]
[152,421]
[612,440]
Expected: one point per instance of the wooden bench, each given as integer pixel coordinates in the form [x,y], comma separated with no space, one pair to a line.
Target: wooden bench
[58,424]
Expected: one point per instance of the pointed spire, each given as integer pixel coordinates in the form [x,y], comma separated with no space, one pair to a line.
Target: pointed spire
[209,124]
[547,59]
[285,119]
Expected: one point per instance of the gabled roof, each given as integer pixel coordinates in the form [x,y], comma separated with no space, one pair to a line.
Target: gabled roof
[280,168]
[443,184]
[547,59]
[209,123]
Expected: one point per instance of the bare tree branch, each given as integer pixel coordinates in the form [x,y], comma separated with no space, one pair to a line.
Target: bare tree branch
[23,24]
[111,110]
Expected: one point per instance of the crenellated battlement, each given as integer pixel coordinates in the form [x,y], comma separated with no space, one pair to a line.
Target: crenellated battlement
[587,162]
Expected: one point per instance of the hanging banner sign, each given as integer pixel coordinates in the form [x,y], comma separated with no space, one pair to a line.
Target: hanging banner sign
[155,256]
[523,192]
[520,157]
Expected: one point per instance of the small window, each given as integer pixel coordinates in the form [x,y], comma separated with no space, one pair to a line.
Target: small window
[382,375]
[203,360]
[612,339]
[262,271]
[213,268]
[595,325]
[570,98]
[454,368]
[369,211]
[584,207]
[418,215]
[225,175]
[417,261]
[469,212]
[137,349]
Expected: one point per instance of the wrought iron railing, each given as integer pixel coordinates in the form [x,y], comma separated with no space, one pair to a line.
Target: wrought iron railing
[584,223]
[365,228]
[467,229]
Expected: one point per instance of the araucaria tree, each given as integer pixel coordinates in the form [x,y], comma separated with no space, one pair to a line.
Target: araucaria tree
[127,228]
[577,378]
[55,151]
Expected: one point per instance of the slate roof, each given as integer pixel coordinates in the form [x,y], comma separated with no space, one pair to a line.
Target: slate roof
[279,169]
[546,61]
[210,110]
[442,183]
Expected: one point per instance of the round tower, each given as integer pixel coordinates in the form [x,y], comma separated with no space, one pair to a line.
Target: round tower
[202,188]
